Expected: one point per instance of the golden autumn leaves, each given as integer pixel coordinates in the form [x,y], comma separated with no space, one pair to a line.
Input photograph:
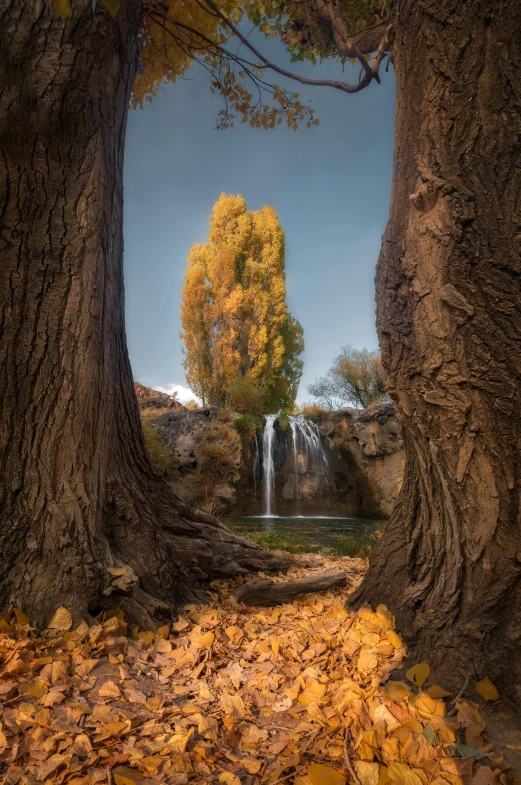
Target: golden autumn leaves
[235,696]
[234,314]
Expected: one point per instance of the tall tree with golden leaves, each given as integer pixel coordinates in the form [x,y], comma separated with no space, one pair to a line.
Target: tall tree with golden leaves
[234,313]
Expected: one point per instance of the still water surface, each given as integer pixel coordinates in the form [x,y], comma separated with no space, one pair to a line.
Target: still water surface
[319,531]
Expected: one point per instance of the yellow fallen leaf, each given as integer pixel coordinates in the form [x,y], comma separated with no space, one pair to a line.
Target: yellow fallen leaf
[151,762]
[384,775]
[395,639]
[435,691]
[124,775]
[401,774]
[312,692]
[62,620]
[37,689]
[487,690]
[163,632]
[397,691]
[325,775]
[368,773]
[21,617]
[147,637]
[367,661]
[235,634]
[418,674]
[178,741]
[115,727]
[228,778]
[251,765]
[109,690]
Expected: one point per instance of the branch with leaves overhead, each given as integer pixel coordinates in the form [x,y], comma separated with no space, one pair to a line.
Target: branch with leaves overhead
[174,34]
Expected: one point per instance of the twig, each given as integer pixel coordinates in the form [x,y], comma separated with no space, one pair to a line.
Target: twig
[458,696]
[349,765]
[109,776]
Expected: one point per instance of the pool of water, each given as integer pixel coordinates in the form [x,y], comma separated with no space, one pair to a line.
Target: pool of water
[312,531]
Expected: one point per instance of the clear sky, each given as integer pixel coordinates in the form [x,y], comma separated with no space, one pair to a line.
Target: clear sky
[330,186]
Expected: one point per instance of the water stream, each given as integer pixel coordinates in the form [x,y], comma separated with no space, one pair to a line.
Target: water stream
[268,465]
[305,438]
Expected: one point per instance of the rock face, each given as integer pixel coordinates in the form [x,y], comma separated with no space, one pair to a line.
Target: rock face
[362,475]
[148,398]
[367,457]
[207,450]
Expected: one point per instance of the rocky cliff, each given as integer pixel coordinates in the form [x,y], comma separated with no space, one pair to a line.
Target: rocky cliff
[367,458]
[148,398]
[215,466]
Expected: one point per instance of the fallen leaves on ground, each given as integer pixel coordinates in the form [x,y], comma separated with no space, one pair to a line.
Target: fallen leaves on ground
[302,693]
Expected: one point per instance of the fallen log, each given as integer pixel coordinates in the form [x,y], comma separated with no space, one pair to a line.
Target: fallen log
[262,591]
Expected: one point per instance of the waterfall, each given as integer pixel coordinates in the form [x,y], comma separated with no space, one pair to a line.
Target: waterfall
[294,436]
[268,464]
[256,463]
[305,437]
[310,436]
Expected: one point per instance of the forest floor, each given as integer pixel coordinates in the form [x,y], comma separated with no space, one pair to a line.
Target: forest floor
[303,693]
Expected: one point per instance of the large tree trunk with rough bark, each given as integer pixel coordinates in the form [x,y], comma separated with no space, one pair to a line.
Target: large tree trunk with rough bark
[78,494]
[449,321]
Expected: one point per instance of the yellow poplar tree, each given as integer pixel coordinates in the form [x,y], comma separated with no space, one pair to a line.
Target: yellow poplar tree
[234,314]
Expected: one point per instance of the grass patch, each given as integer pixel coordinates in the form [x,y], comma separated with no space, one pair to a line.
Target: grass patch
[355,546]
[156,447]
[282,541]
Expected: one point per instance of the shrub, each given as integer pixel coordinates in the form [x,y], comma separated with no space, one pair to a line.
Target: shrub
[245,395]
[283,421]
[192,405]
[312,410]
[246,425]
[157,449]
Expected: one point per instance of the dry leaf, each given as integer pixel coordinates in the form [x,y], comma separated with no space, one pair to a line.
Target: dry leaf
[124,775]
[62,620]
[325,775]
[487,690]
[418,674]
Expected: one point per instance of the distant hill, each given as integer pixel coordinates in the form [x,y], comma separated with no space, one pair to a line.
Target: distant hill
[148,398]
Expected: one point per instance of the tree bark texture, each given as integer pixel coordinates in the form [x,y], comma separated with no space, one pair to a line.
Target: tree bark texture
[449,322]
[78,494]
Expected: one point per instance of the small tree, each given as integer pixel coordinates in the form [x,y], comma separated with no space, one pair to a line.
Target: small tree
[356,377]
[245,395]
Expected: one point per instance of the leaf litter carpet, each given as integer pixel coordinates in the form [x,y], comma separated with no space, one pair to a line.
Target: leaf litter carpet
[302,693]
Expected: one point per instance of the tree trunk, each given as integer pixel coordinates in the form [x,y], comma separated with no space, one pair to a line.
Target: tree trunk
[449,321]
[78,494]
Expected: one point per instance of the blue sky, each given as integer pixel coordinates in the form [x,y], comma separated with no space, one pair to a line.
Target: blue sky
[330,186]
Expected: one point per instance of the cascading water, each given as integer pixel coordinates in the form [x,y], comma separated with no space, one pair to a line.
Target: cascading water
[305,438]
[256,463]
[310,437]
[268,465]
[294,436]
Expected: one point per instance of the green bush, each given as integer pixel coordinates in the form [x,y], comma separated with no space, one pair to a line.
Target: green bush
[245,395]
[246,425]
[283,421]
[157,449]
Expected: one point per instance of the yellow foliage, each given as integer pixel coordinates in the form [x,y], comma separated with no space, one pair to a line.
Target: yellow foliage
[227,705]
[234,314]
